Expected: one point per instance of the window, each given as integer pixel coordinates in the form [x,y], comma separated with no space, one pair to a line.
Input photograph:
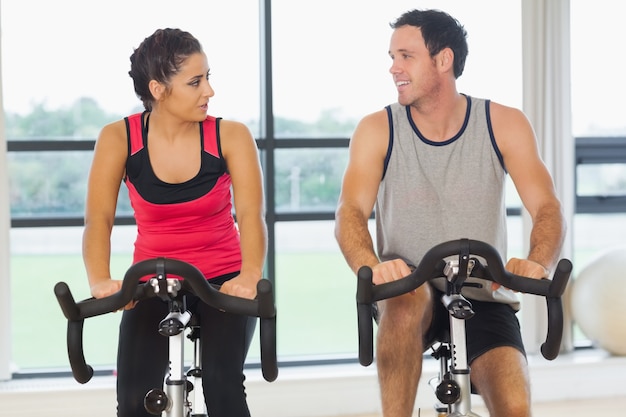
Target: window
[339,67]
[600,129]
[328,70]
[58,91]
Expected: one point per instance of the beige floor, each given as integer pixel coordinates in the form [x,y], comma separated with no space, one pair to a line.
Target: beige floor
[573,408]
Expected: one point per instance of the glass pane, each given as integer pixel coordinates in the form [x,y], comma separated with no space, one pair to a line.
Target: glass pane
[601,180]
[315,292]
[597,100]
[338,70]
[516,237]
[37,190]
[512,198]
[309,179]
[53,184]
[594,235]
[41,257]
[79,78]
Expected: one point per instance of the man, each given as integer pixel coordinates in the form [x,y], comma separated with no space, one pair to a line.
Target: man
[432,166]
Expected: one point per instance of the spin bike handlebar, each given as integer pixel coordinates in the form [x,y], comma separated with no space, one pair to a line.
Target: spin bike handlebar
[132,289]
[431,267]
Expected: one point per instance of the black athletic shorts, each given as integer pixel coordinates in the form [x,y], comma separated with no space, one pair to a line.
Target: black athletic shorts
[493,325]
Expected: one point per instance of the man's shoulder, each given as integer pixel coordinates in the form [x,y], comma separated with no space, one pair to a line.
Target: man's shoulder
[376,117]
[504,112]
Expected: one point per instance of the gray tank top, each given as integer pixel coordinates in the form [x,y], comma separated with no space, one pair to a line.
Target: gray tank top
[433,192]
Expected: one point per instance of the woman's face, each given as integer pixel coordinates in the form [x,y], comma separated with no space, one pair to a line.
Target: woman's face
[189,90]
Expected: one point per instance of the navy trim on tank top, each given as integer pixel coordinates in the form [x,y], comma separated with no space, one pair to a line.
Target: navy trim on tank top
[427,141]
[492,136]
[445,142]
[390,146]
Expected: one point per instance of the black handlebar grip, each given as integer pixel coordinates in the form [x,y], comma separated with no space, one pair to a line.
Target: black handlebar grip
[266,300]
[81,371]
[364,315]
[551,347]
[560,278]
[269,363]
[263,307]
[267,314]
[66,301]
[201,287]
[431,267]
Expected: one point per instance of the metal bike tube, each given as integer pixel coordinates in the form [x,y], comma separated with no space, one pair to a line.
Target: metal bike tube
[199,407]
[175,383]
[460,369]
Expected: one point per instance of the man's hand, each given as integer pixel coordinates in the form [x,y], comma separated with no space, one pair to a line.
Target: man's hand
[389,271]
[525,268]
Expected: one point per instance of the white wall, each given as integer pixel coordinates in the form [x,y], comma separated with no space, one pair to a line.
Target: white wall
[5,225]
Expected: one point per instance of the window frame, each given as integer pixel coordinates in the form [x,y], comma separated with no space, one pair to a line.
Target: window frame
[589,150]
[599,150]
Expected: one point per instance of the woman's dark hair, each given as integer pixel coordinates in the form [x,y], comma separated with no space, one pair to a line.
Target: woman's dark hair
[439,30]
[159,57]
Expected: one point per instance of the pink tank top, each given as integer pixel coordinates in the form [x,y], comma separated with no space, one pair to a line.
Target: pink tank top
[191,221]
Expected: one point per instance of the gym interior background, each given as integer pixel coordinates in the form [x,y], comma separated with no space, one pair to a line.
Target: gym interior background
[300,75]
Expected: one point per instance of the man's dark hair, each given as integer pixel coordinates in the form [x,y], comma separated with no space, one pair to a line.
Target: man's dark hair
[439,30]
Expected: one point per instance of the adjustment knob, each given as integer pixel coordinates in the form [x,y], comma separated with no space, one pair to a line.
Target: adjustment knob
[155,402]
[448,391]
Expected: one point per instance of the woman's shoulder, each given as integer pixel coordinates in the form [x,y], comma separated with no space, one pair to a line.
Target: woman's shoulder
[117,127]
[114,134]
[232,130]
[232,125]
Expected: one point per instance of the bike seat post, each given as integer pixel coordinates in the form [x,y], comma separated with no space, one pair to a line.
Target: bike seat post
[460,309]
[199,407]
[175,384]
[173,326]
[459,368]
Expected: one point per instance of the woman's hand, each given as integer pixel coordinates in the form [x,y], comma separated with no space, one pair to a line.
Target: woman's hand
[241,286]
[107,287]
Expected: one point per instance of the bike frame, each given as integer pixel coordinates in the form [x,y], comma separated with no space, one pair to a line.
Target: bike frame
[172,400]
[476,259]
[453,382]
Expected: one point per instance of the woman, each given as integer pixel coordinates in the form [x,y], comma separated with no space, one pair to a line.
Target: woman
[179,166]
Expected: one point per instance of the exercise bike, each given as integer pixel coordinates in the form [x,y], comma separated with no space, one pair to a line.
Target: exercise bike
[456,261]
[173,399]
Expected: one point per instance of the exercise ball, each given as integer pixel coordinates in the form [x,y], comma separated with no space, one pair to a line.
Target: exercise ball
[597,300]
